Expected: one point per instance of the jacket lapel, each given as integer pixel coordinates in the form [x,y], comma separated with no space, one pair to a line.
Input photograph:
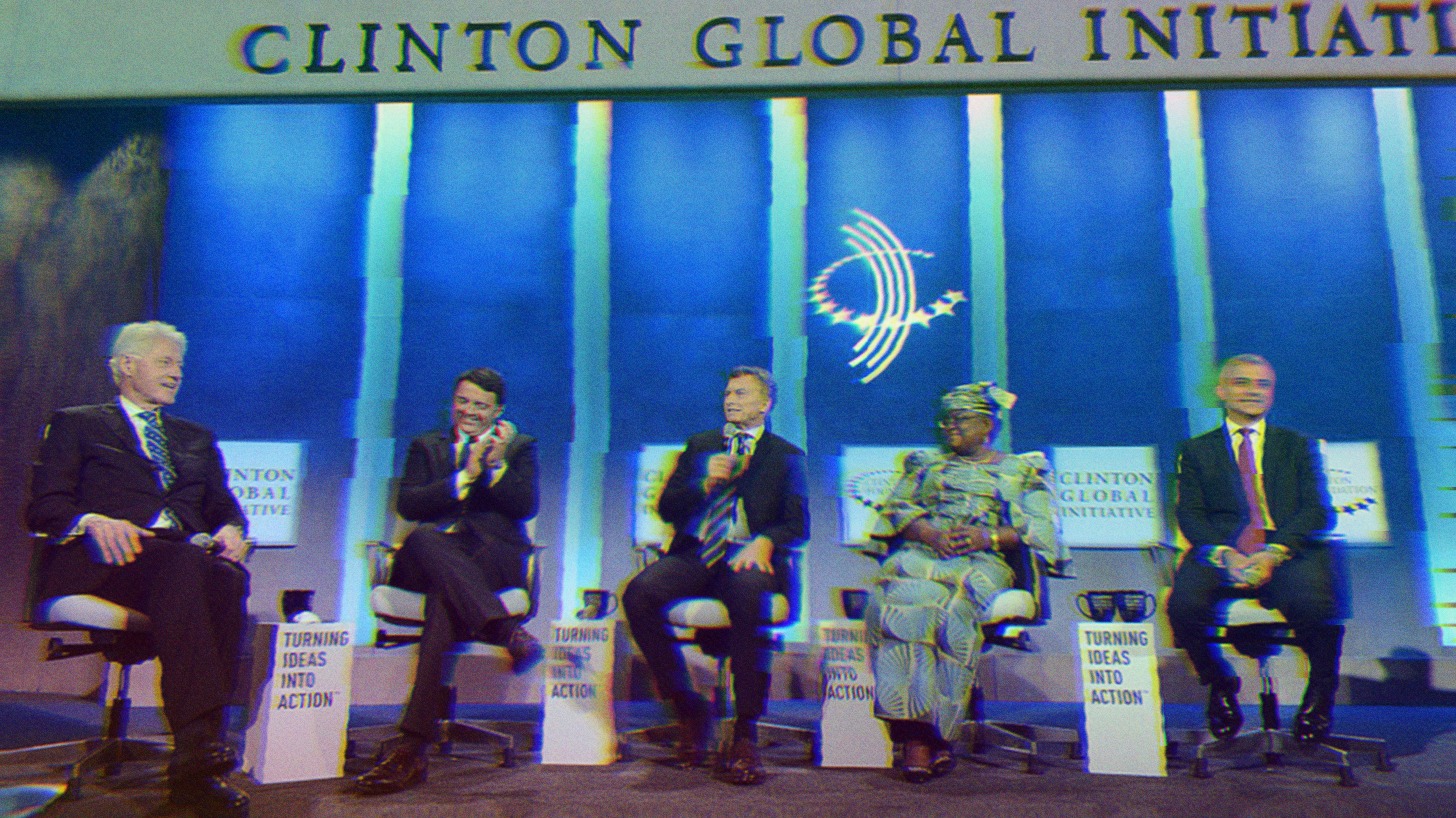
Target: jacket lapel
[116,420]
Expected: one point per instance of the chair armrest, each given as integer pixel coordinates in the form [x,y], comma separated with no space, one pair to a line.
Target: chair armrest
[380,554]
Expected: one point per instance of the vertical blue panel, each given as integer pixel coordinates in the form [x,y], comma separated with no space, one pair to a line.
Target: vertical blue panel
[261,269]
[1435,109]
[264,231]
[488,262]
[487,277]
[1300,266]
[904,162]
[689,233]
[1091,307]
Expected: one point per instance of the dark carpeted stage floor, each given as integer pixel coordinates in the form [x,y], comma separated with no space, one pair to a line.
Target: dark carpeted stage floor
[1421,739]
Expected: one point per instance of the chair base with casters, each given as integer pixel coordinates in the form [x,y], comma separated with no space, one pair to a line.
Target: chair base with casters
[122,636]
[703,621]
[1006,625]
[1259,633]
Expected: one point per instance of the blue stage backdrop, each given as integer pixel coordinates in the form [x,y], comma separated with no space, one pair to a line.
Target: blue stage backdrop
[487,277]
[887,242]
[267,232]
[1091,320]
[261,270]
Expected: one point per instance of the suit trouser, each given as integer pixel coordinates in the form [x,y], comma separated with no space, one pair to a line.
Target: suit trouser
[1302,589]
[746,594]
[196,603]
[461,577]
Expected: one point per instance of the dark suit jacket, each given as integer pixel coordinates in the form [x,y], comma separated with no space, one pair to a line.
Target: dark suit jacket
[498,512]
[1211,505]
[92,461]
[772,488]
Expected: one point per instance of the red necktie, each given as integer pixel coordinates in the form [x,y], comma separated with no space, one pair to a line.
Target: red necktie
[1251,539]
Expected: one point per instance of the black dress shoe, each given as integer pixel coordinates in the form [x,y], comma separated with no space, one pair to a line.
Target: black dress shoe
[1225,717]
[743,765]
[1316,714]
[400,768]
[525,651]
[209,796]
[692,741]
[212,758]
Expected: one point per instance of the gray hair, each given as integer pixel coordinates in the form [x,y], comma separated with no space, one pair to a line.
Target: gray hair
[1244,358]
[136,338]
[764,377]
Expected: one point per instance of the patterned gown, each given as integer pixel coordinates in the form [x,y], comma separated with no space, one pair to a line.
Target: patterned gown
[924,616]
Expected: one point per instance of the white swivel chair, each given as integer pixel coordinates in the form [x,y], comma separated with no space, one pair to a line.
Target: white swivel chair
[122,635]
[1010,616]
[703,621]
[1259,633]
[398,608]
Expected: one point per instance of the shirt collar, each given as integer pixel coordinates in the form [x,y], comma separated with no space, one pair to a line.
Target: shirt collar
[729,430]
[131,409]
[1233,428]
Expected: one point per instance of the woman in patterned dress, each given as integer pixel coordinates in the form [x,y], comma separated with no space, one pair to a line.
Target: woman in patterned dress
[942,531]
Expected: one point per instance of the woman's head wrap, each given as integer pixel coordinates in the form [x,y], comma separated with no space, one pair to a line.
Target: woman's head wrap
[984,398]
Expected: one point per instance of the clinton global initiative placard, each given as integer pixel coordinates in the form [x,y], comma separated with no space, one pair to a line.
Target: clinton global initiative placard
[265,476]
[866,475]
[1107,496]
[654,463]
[1357,491]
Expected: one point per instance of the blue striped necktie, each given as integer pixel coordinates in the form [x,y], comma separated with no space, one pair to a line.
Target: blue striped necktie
[156,443]
[718,519]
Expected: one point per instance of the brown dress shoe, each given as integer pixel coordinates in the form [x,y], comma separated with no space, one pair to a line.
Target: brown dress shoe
[692,741]
[400,768]
[525,651]
[743,765]
[915,763]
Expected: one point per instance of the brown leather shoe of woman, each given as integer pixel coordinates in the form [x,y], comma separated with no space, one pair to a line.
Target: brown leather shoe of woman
[915,763]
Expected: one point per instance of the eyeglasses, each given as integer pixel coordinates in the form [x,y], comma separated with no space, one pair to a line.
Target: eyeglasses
[961,419]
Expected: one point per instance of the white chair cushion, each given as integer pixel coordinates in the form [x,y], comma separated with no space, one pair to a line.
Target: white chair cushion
[707,612]
[1011,605]
[403,607]
[87,611]
[1250,612]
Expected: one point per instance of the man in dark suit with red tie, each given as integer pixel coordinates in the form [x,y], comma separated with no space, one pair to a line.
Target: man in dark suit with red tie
[1253,503]
[121,490]
[471,488]
[736,501]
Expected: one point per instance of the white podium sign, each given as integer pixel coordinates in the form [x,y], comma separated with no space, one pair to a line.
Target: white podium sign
[1121,700]
[849,733]
[301,715]
[579,727]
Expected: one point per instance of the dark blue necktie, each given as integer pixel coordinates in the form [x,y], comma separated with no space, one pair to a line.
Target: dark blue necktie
[718,519]
[155,440]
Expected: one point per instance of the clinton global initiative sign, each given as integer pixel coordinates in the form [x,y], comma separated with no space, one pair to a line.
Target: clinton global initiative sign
[1108,496]
[159,49]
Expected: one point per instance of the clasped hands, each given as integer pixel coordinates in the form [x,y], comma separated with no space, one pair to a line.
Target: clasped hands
[961,540]
[119,542]
[1251,570]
